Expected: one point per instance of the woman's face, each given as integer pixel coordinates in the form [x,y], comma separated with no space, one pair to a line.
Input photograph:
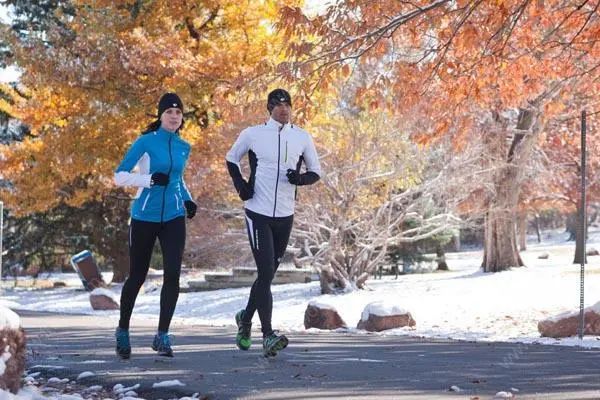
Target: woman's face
[171,119]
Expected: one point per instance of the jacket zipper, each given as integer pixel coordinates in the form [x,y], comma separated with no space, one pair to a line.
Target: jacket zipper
[162,210]
[146,201]
[278,162]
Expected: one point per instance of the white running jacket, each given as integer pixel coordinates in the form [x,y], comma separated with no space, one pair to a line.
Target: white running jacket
[272,149]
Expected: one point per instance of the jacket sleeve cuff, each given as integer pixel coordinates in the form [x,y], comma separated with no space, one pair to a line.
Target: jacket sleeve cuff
[147,180]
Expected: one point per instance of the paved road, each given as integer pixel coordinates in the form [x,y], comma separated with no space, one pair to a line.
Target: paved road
[314,366]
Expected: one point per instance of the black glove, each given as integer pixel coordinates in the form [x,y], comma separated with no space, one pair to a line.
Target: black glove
[243,188]
[190,208]
[245,191]
[294,177]
[160,179]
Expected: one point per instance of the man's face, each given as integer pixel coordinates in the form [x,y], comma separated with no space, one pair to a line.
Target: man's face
[282,113]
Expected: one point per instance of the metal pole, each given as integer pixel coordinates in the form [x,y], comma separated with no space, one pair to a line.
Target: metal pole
[1,238]
[582,227]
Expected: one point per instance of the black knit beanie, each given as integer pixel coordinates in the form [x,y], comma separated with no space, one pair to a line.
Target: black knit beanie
[276,97]
[169,100]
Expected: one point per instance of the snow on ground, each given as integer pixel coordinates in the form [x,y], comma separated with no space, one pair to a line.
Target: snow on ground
[464,303]
[171,383]
[8,318]
[36,388]
[105,292]
[381,309]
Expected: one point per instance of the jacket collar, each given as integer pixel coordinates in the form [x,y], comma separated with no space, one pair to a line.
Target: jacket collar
[163,131]
[272,123]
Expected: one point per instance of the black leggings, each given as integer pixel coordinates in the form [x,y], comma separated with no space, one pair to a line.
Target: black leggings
[142,236]
[268,239]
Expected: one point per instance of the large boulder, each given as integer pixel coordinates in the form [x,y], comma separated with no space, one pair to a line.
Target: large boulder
[592,252]
[380,316]
[103,299]
[12,350]
[322,316]
[567,324]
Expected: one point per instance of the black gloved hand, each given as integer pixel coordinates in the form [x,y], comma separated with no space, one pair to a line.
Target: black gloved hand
[160,179]
[244,190]
[190,208]
[294,177]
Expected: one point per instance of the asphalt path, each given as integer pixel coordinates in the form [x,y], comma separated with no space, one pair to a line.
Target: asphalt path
[327,365]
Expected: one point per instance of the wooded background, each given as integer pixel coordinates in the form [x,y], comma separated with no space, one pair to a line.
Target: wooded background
[431,118]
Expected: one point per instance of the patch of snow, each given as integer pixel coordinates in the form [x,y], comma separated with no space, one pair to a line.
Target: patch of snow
[381,309]
[104,292]
[26,393]
[8,304]
[85,374]
[54,379]
[120,389]
[8,318]
[194,397]
[321,304]
[171,383]
[4,358]
[459,304]
[595,308]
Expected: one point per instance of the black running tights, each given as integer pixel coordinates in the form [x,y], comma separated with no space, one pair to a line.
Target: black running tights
[268,239]
[142,236]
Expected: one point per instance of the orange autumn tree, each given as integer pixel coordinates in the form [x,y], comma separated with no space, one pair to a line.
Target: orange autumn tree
[559,184]
[96,73]
[97,80]
[472,61]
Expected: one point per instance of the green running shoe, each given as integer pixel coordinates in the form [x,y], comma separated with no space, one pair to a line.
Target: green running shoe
[243,339]
[273,343]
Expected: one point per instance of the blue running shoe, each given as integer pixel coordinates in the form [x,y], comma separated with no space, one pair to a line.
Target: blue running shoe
[274,343]
[123,346]
[162,344]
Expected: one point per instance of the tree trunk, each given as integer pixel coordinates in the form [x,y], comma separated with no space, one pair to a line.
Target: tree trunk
[522,226]
[500,248]
[456,241]
[580,236]
[120,267]
[329,283]
[441,259]
[500,241]
[572,226]
[537,227]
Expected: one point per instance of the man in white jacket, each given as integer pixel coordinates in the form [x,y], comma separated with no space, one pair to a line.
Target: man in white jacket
[276,150]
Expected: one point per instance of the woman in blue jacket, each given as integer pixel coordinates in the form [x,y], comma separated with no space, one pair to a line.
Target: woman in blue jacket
[155,164]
